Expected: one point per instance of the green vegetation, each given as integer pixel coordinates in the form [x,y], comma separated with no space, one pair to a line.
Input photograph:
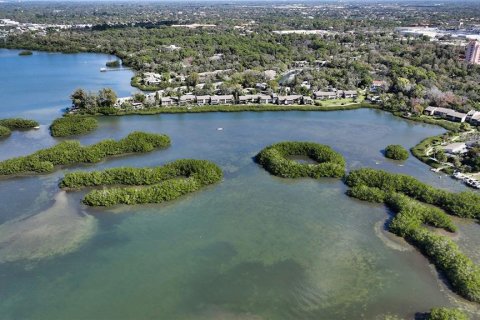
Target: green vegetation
[25,53]
[447,314]
[71,152]
[113,64]
[90,103]
[72,125]
[7,125]
[402,194]
[18,123]
[153,185]
[4,132]
[239,108]
[463,204]
[274,159]
[396,152]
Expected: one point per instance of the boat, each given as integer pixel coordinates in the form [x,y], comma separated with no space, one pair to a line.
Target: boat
[219,129]
[36,127]
[103,69]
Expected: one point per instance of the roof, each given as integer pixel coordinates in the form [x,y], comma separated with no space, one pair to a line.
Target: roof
[456,114]
[264,96]
[349,92]
[187,96]
[203,97]
[430,108]
[291,97]
[227,96]
[325,93]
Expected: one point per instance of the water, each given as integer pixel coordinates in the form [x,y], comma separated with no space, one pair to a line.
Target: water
[252,247]
[49,79]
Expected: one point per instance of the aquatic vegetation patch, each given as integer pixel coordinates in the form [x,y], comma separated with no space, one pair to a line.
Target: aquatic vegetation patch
[404,196]
[72,125]
[447,314]
[396,152]
[151,185]
[463,204]
[72,152]
[7,125]
[5,132]
[55,231]
[274,159]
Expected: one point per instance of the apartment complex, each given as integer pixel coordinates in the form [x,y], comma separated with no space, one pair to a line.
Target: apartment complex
[472,54]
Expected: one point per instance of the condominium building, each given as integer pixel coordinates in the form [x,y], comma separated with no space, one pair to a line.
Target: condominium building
[472,54]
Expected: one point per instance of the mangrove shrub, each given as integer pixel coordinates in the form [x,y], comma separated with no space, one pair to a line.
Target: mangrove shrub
[275,160]
[152,185]
[396,152]
[72,125]
[403,195]
[71,152]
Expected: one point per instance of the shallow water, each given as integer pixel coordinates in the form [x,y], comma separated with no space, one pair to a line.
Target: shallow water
[252,247]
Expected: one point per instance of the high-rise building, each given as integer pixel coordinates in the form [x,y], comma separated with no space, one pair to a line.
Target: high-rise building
[472,53]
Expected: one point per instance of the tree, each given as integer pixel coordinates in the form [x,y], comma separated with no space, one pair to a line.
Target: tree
[79,98]
[193,79]
[106,98]
[396,152]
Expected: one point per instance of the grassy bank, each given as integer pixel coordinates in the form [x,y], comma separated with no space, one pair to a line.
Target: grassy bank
[240,108]
[152,185]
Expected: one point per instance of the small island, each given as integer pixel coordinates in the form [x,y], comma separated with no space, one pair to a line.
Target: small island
[275,159]
[396,152]
[113,64]
[25,53]
[72,152]
[151,185]
[71,125]
[7,125]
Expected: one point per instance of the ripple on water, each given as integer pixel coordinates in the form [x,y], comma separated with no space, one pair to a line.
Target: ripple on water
[55,231]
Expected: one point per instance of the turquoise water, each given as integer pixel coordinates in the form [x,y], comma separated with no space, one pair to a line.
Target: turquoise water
[252,247]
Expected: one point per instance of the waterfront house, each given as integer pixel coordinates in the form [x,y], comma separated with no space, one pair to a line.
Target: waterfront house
[203,100]
[441,112]
[472,115]
[307,100]
[265,99]
[430,110]
[224,99]
[456,116]
[290,99]
[167,101]
[475,119]
[123,100]
[249,98]
[325,95]
[349,94]
[186,99]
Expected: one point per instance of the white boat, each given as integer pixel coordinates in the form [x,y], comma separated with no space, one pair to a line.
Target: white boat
[219,129]
[36,127]
[103,69]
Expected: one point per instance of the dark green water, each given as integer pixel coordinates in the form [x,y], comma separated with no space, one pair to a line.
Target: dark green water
[251,247]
